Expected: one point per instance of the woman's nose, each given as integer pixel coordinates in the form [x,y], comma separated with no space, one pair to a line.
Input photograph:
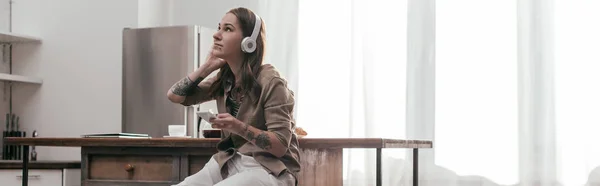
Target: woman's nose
[217,35]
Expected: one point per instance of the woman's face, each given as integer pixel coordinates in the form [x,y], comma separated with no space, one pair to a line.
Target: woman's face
[228,38]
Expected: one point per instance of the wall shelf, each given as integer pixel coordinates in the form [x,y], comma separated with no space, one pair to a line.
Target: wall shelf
[20,79]
[9,37]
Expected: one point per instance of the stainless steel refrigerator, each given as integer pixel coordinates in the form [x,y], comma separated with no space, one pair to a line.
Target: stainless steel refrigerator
[153,60]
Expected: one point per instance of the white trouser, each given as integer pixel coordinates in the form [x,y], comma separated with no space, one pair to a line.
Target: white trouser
[243,170]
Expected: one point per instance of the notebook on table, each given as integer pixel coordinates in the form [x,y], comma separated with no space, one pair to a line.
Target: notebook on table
[116,135]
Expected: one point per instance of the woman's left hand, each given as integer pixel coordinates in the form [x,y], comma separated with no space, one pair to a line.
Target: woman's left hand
[226,121]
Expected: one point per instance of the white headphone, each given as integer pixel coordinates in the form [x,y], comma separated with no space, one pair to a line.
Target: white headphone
[249,43]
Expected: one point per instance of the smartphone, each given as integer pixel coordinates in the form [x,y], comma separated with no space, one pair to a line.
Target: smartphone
[207,115]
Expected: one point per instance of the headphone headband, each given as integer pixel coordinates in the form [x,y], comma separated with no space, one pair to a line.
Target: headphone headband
[257,26]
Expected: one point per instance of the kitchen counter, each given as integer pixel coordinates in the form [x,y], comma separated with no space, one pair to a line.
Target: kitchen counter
[167,161]
[18,164]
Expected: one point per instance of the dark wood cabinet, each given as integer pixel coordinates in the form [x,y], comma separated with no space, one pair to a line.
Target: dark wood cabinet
[130,166]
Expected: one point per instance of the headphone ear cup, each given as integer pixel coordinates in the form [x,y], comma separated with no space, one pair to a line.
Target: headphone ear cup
[248,45]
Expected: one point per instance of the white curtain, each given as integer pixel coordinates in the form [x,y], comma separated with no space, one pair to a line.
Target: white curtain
[537,126]
[352,78]
[516,93]
[281,24]
[577,72]
[507,89]
[476,134]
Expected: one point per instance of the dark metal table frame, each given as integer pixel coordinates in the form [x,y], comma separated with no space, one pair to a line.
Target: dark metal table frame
[25,156]
[415,167]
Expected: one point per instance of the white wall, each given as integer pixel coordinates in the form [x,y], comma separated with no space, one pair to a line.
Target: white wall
[80,62]
[4,14]
[152,13]
[205,13]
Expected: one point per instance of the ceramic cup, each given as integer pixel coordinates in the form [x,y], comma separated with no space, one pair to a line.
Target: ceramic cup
[177,130]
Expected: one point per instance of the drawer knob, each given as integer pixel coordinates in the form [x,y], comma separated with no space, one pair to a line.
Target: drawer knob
[129,167]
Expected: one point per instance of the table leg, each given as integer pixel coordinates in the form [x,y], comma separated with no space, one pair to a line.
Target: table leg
[378,167]
[415,167]
[25,157]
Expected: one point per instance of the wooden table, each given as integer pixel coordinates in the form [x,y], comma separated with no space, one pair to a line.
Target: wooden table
[167,161]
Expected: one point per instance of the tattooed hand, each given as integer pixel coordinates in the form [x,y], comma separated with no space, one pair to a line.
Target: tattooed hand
[226,121]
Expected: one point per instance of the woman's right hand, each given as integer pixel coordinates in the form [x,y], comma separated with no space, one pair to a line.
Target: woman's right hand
[213,62]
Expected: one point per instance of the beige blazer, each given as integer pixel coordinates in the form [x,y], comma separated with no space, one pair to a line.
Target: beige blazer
[271,111]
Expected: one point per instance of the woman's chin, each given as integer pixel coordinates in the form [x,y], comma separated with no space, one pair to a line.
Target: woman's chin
[218,53]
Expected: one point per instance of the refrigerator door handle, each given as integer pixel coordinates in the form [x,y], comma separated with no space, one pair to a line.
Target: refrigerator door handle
[191,120]
[185,120]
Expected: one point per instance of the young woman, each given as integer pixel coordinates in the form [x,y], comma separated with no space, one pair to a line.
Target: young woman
[258,145]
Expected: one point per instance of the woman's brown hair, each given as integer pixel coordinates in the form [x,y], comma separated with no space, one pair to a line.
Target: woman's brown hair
[252,61]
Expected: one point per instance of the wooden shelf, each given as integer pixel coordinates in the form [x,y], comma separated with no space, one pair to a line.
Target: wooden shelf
[8,37]
[20,79]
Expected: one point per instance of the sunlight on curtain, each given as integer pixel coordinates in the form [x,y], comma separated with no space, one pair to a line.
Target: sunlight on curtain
[577,60]
[352,76]
[476,88]
[324,47]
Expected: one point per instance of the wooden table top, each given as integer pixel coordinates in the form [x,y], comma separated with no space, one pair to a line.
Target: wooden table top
[212,142]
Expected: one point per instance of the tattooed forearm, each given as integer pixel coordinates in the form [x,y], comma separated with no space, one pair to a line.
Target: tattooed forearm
[263,141]
[182,87]
[250,135]
[266,140]
[185,87]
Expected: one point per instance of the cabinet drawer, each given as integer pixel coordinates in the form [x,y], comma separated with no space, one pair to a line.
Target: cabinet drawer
[133,167]
[36,177]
